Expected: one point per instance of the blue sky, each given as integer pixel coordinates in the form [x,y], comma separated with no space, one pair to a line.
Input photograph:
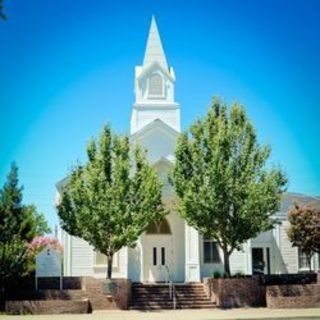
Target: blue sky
[67,67]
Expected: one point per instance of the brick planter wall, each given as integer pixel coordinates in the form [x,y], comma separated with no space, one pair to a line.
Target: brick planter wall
[236,292]
[293,296]
[99,300]
[47,294]
[31,301]
[47,306]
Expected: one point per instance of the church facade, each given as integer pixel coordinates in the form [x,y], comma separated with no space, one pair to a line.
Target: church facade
[171,250]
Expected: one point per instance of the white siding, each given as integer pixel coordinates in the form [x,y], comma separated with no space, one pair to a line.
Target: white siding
[238,261]
[82,261]
[288,260]
[81,258]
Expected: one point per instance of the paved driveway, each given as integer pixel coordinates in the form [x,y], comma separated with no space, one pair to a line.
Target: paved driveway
[212,314]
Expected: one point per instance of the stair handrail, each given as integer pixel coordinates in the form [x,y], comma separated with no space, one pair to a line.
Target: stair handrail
[172,289]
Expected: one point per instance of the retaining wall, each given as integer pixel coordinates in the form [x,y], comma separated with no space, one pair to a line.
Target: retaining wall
[236,292]
[47,306]
[293,296]
[76,290]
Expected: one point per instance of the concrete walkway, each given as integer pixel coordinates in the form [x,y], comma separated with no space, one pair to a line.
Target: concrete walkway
[203,314]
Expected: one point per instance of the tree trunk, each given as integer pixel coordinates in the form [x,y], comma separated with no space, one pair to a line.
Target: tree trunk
[226,256]
[2,298]
[109,266]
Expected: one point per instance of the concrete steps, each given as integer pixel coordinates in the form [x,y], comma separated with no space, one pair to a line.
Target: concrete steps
[157,296]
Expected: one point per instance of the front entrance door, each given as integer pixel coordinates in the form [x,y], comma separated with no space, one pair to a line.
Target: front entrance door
[158,258]
[261,260]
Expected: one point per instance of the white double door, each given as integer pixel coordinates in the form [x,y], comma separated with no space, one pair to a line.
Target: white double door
[158,258]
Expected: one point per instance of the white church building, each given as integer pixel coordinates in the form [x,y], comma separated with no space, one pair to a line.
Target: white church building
[172,249]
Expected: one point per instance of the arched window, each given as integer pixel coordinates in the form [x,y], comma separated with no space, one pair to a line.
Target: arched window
[156,85]
[161,227]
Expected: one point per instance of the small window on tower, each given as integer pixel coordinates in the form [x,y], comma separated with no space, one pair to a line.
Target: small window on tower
[156,86]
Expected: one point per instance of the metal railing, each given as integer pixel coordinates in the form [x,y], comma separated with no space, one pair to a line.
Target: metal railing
[172,289]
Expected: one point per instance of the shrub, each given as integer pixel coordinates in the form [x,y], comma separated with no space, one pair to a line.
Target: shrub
[39,243]
[217,275]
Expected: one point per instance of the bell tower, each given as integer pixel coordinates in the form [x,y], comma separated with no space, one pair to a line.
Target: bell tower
[154,87]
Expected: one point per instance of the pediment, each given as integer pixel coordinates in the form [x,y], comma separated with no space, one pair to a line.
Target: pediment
[156,124]
[155,66]
[158,139]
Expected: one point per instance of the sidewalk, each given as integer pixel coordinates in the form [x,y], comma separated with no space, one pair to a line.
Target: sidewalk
[203,314]
[211,314]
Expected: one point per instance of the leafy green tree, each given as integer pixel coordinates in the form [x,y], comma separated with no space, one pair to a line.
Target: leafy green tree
[110,201]
[17,219]
[19,224]
[14,261]
[304,231]
[2,15]
[39,223]
[220,176]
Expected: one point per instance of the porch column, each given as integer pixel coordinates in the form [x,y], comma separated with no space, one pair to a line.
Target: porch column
[192,254]
[249,257]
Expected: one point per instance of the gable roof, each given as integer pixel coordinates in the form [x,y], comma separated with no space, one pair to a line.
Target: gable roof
[145,70]
[157,123]
[165,160]
[290,198]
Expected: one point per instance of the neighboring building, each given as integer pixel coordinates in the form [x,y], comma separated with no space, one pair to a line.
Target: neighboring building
[172,247]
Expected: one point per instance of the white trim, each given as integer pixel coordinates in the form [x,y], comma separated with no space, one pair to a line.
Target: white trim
[157,123]
[141,259]
[156,105]
[145,70]
[249,257]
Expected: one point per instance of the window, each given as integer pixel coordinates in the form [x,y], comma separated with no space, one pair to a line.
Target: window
[155,85]
[154,256]
[303,262]
[101,259]
[210,252]
[161,227]
[163,256]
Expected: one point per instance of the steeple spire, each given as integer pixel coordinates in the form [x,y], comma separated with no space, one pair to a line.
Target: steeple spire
[154,50]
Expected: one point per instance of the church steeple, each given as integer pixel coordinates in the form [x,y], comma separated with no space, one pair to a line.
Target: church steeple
[154,87]
[154,50]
